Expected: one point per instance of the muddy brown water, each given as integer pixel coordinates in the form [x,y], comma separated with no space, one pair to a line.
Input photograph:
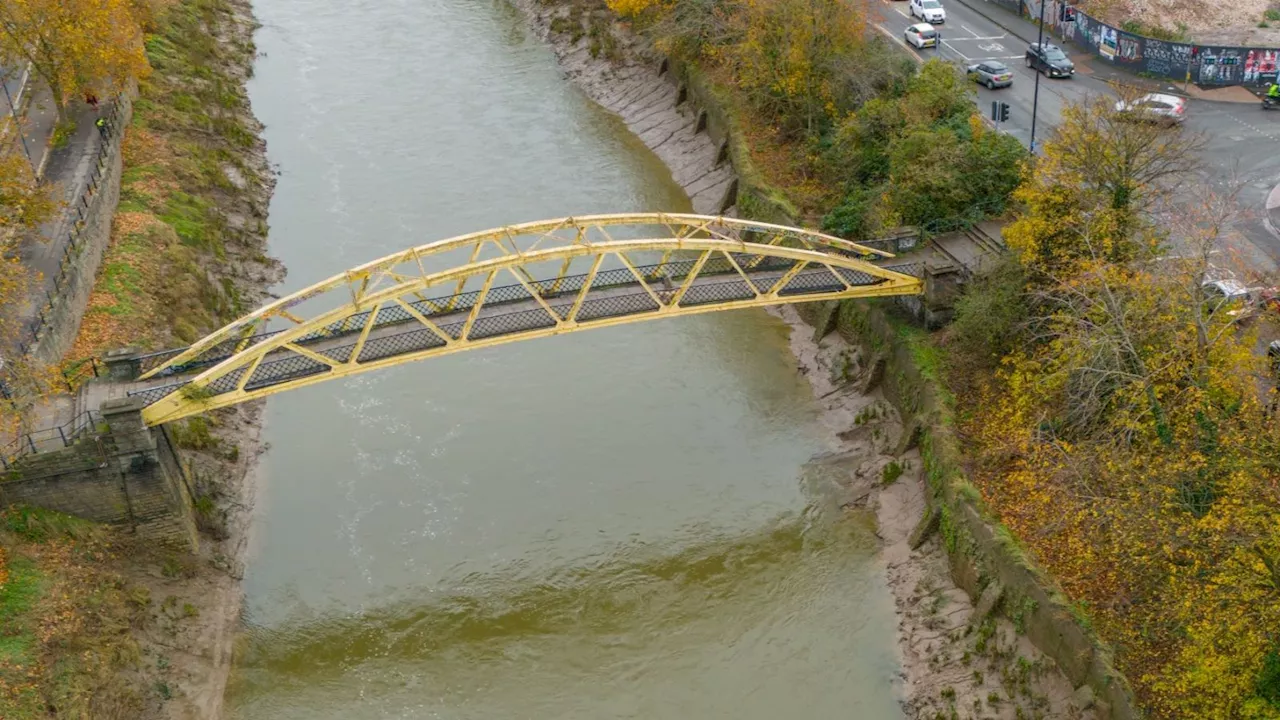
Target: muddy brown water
[611,524]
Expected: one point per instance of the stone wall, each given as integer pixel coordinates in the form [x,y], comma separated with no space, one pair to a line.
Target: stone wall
[981,551]
[121,473]
[90,235]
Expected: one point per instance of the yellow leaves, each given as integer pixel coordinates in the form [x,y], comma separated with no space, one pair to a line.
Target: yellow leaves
[24,203]
[632,8]
[787,55]
[75,45]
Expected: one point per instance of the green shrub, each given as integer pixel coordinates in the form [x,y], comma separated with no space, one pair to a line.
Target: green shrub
[891,472]
[1267,684]
[991,313]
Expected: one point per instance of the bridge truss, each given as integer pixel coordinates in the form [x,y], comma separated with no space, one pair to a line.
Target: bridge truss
[507,284]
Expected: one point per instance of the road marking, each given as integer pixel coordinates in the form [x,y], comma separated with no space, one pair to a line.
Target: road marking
[992,47]
[971,32]
[964,57]
[1258,130]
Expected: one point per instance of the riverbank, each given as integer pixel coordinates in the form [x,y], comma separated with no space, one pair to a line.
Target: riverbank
[187,254]
[624,75]
[956,657]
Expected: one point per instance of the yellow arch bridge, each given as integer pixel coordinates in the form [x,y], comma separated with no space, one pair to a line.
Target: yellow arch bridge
[512,283]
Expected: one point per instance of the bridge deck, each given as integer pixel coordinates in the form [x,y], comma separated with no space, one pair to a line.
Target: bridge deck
[508,310]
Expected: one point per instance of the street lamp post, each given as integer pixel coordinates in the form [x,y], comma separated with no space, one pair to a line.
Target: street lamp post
[1035,97]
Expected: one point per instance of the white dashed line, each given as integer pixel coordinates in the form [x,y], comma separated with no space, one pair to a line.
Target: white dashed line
[1258,130]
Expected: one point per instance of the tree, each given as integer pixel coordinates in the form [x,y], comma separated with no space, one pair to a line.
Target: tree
[74,44]
[789,53]
[925,157]
[1126,438]
[1103,170]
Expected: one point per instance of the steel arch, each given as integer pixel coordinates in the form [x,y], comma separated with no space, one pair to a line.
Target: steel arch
[706,264]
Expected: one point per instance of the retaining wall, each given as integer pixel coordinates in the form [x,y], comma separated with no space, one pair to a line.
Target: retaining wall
[980,550]
[58,322]
[121,473]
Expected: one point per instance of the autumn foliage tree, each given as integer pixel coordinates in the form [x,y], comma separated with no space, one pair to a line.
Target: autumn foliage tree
[74,45]
[1127,435]
[1100,169]
[789,54]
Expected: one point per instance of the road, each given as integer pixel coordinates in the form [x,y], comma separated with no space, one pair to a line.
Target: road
[969,38]
[1239,137]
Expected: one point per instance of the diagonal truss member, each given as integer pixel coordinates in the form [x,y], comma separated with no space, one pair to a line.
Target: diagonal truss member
[512,283]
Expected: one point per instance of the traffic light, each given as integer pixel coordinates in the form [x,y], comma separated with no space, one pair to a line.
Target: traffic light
[995,111]
[1004,112]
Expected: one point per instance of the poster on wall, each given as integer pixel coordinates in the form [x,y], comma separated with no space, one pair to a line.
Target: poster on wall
[1221,66]
[1203,65]
[1167,59]
[1107,42]
[1259,67]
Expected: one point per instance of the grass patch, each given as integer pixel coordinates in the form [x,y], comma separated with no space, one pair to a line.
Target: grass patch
[63,131]
[121,282]
[891,472]
[193,434]
[21,589]
[64,621]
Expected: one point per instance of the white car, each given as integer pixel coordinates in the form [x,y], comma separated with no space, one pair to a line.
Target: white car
[929,11]
[1156,107]
[921,35]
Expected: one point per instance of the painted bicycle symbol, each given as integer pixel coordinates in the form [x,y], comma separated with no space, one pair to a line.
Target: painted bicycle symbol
[992,47]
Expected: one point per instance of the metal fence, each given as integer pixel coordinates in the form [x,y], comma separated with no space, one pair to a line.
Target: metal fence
[52,438]
[31,330]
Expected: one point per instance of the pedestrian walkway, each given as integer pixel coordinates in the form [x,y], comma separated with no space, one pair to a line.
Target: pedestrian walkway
[70,166]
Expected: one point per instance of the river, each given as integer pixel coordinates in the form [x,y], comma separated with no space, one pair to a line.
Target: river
[609,524]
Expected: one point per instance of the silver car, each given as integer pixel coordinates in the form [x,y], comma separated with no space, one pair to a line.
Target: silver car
[1156,107]
[991,73]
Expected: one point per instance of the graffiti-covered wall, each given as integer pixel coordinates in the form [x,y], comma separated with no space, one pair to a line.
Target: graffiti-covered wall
[1203,64]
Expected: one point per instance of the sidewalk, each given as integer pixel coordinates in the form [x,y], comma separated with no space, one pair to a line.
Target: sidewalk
[68,167]
[1090,64]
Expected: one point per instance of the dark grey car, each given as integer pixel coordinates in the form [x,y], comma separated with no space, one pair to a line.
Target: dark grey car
[1050,60]
[991,73]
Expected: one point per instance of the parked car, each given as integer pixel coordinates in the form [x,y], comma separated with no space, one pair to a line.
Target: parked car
[1155,107]
[930,11]
[1050,60]
[992,73]
[922,35]
[1240,299]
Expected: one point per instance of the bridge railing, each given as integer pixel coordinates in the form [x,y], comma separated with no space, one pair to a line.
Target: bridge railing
[444,305]
[51,438]
[296,366]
